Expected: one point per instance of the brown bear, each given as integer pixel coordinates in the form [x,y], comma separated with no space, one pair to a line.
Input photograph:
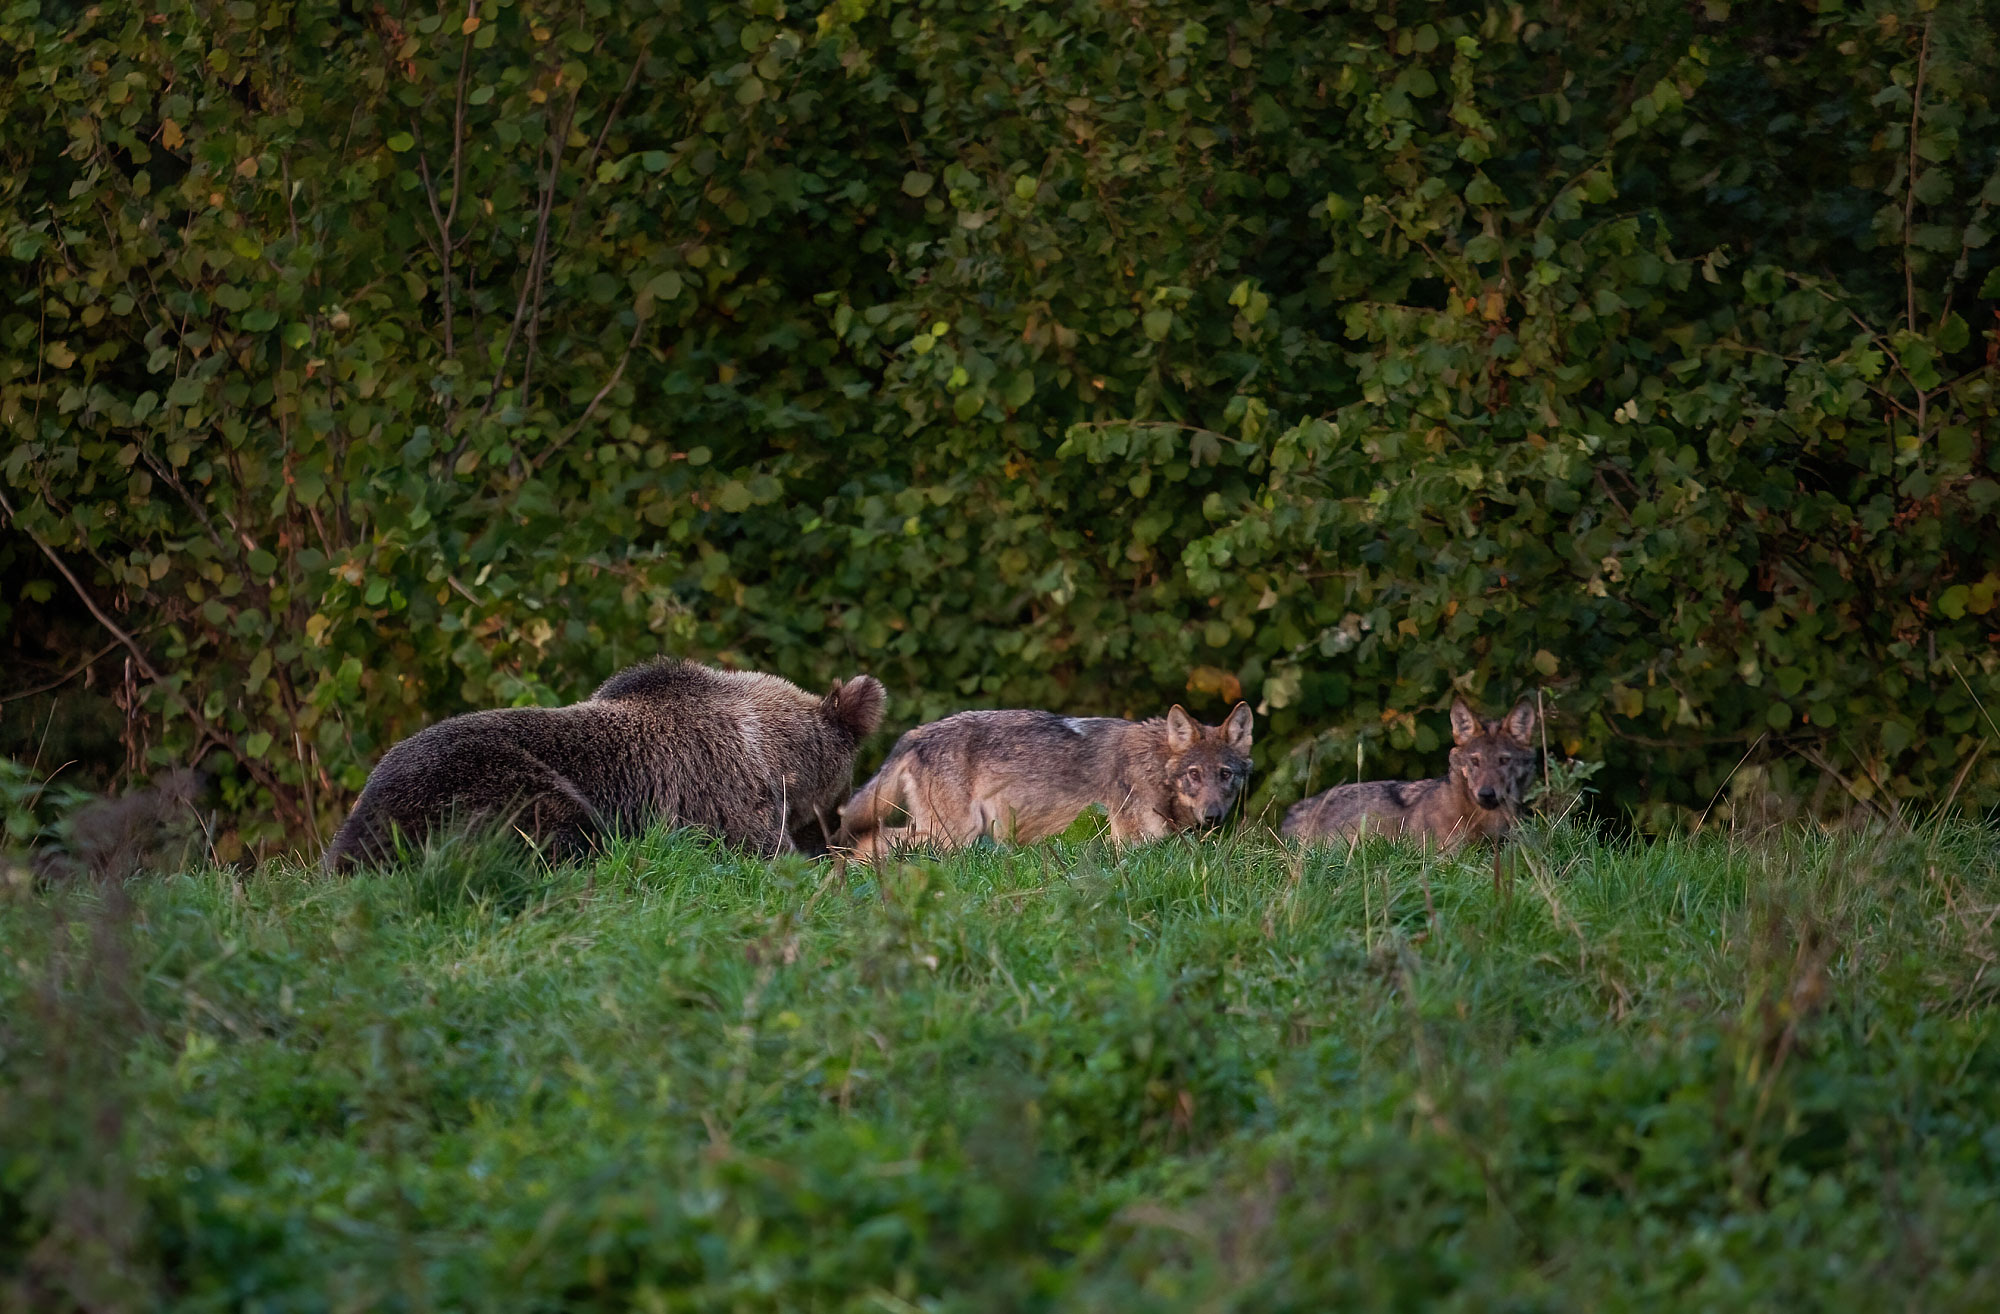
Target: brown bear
[749,757]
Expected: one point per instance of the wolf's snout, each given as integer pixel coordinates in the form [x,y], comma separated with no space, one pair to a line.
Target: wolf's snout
[1489,797]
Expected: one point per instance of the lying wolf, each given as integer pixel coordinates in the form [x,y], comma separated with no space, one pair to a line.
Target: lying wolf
[1480,796]
[1024,775]
[749,757]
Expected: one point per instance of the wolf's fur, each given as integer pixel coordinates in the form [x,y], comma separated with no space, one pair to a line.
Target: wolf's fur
[1479,797]
[753,758]
[1023,775]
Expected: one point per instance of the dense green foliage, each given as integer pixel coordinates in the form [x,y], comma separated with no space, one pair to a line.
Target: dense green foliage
[369,363]
[1690,1074]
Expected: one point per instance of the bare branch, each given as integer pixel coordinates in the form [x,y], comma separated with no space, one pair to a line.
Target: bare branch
[531,286]
[591,409]
[62,680]
[1910,182]
[597,147]
[139,660]
[111,627]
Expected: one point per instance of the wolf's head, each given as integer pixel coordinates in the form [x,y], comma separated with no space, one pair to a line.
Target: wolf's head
[1494,760]
[1207,765]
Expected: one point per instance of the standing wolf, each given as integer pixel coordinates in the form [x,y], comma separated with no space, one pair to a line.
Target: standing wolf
[753,758]
[1023,775]
[1480,795]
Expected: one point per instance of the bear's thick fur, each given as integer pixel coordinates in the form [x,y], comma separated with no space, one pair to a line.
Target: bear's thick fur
[749,757]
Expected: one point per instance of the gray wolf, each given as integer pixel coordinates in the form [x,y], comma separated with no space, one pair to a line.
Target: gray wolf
[1023,775]
[1480,796]
[750,757]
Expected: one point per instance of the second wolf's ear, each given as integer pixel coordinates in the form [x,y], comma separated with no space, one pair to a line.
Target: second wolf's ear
[1237,728]
[1464,725]
[1180,730]
[856,705]
[1520,722]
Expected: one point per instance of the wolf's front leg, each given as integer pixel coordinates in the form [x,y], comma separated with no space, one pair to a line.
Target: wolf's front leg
[1136,823]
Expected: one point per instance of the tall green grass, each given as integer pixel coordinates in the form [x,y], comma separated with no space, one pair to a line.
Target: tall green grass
[1198,1076]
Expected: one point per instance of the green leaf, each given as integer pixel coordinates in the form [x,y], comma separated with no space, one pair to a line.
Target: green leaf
[1020,389]
[260,320]
[401,141]
[917,184]
[1952,601]
[1483,191]
[1158,323]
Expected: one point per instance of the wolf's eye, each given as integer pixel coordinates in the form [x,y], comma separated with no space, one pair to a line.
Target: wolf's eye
[1475,759]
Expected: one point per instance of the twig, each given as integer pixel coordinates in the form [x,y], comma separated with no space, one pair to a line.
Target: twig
[1731,776]
[1975,697]
[531,285]
[583,419]
[130,644]
[1542,724]
[88,662]
[138,656]
[446,218]
[1819,760]
[1910,181]
[597,147]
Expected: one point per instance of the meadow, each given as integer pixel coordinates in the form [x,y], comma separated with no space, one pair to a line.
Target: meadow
[1703,1072]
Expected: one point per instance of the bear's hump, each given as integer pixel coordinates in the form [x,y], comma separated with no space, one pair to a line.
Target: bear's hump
[668,677]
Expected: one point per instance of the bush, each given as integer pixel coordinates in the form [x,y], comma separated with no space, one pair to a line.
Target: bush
[371,366]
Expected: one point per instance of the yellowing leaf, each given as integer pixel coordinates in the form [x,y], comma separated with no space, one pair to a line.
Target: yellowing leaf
[1215,680]
[171,136]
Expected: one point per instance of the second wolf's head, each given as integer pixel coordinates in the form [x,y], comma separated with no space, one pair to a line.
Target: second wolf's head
[1493,761]
[1207,765]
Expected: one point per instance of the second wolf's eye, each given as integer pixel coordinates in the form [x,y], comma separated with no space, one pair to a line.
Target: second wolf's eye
[1225,773]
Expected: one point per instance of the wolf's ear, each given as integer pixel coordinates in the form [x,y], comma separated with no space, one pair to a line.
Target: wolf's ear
[1520,722]
[1464,725]
[1180,730]
[855,705]
[1237,728]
